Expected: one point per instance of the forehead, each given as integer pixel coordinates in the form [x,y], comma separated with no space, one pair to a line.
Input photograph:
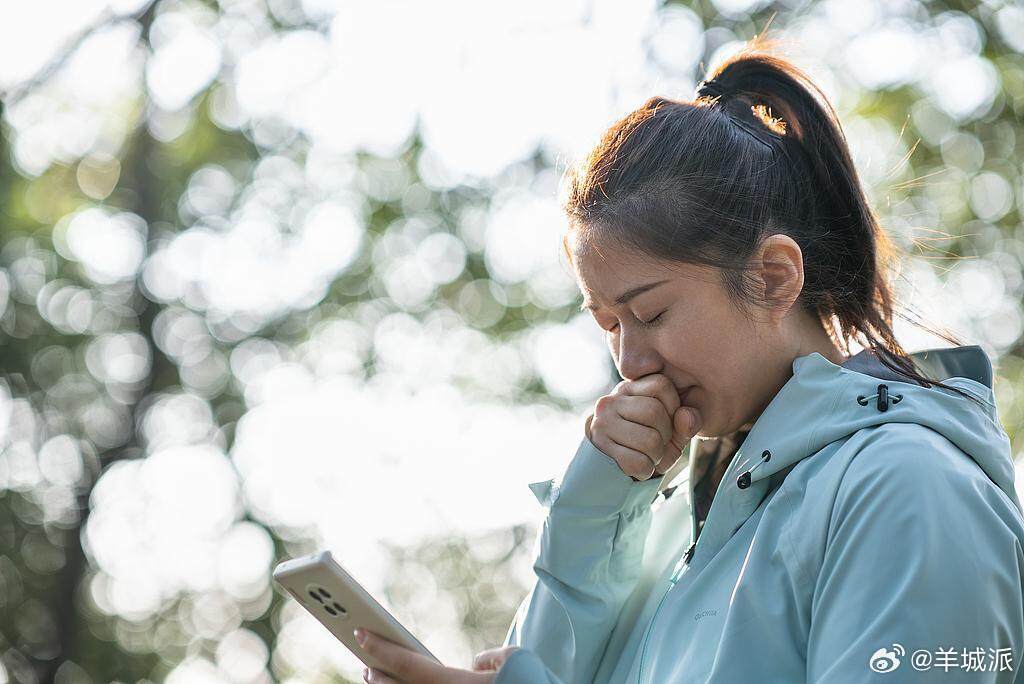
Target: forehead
[605,271]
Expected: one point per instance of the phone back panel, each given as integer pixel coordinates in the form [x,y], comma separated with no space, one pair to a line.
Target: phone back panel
[341,604]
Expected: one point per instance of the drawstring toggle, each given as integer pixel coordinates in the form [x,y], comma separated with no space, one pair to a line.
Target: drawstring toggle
[743,481]
[884,398]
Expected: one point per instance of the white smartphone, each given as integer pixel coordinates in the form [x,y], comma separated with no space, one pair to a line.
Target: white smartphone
[322,587]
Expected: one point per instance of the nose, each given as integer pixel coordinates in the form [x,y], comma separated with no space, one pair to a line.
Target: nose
[636,358]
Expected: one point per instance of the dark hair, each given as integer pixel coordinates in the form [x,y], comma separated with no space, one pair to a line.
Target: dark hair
[759,151]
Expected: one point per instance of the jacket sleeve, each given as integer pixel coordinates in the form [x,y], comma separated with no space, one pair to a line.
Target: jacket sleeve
[922,573]
[588,561]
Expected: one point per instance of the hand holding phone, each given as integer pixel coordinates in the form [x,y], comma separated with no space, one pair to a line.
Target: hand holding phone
[412,668]
[326,590]
[333,596]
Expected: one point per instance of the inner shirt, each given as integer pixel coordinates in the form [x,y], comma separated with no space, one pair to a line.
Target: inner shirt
[707,467]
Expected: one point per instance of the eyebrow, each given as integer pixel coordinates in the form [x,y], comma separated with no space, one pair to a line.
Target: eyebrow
[625,296]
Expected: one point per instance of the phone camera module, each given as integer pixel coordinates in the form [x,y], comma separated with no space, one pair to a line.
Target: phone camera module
[335,609]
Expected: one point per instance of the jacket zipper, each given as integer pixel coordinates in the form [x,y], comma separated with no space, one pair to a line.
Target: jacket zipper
[689,553]
[687,557]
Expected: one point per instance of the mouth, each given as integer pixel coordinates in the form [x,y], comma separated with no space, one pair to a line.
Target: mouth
[684,394]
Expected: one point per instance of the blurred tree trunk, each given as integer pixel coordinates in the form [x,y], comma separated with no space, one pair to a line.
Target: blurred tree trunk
[138,176]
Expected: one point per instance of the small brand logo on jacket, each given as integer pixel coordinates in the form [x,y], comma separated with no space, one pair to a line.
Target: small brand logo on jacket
[704,613]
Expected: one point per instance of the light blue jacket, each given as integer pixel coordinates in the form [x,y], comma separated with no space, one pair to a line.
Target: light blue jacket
[890,552]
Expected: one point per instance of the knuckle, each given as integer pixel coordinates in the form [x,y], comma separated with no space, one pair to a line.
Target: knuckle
[637,466]
[603,444]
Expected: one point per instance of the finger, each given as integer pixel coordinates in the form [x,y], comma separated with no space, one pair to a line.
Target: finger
[636,464]
[685,424]
[484,660]
[655,385]
[401,662]
[647,411]
[493,658]
[628,431]
[377,677]
[666,463]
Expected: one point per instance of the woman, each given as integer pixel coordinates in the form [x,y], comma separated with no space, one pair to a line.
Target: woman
[864,519]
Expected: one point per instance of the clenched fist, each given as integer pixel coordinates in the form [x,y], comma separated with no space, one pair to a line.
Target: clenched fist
[642,425]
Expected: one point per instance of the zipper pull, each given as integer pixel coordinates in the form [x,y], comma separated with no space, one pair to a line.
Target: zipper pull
[681,564]
[689,553]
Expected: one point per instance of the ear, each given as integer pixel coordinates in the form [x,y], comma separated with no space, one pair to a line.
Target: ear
[779,272]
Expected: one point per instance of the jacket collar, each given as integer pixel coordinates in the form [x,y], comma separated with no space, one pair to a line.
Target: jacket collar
[821,403]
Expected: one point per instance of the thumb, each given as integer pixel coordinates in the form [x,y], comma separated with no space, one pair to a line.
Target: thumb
[492,658]
[685,424]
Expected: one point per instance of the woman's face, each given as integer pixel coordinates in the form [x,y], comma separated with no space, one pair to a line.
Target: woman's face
[678,320]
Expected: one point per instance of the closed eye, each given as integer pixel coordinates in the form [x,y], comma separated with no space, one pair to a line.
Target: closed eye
[652,323]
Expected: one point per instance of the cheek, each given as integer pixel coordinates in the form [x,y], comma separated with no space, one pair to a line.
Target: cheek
[710,347]
[722,343]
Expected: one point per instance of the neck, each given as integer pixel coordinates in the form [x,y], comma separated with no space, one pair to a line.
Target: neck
[817,341]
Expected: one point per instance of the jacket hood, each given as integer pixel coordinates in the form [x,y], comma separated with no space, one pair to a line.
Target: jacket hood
[823,402]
